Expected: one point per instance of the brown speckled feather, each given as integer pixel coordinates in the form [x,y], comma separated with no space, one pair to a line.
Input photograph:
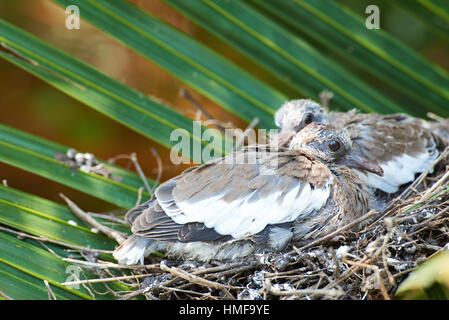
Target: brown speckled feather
[381,138]
[285,170]
[244,177]
[262,196]
[401,145]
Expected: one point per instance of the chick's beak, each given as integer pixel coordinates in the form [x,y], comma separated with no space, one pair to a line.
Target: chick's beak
[362,164]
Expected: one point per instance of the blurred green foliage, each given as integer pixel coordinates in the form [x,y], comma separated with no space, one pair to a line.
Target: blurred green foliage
[429,281]
[241,59]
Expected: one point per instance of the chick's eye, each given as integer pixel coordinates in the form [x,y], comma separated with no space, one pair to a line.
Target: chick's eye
[334,145]
[308,119]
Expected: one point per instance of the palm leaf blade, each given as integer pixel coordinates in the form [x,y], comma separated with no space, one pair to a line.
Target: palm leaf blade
[380,43]
[284,54]
[100,92]
[38,263]
[37,156]
[300,19]
[19,285]
[190,61]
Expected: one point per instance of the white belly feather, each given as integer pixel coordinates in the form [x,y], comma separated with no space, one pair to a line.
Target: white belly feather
[251,213]
[400,170]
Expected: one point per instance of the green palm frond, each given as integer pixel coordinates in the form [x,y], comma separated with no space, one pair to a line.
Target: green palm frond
[299,47]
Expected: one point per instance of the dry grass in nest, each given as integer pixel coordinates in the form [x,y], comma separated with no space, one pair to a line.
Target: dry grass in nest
[365,264]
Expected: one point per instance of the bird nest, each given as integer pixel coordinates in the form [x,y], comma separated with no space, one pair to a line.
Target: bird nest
[367,259]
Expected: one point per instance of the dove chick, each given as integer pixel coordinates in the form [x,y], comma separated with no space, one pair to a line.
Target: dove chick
[257,199]
[401,145]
